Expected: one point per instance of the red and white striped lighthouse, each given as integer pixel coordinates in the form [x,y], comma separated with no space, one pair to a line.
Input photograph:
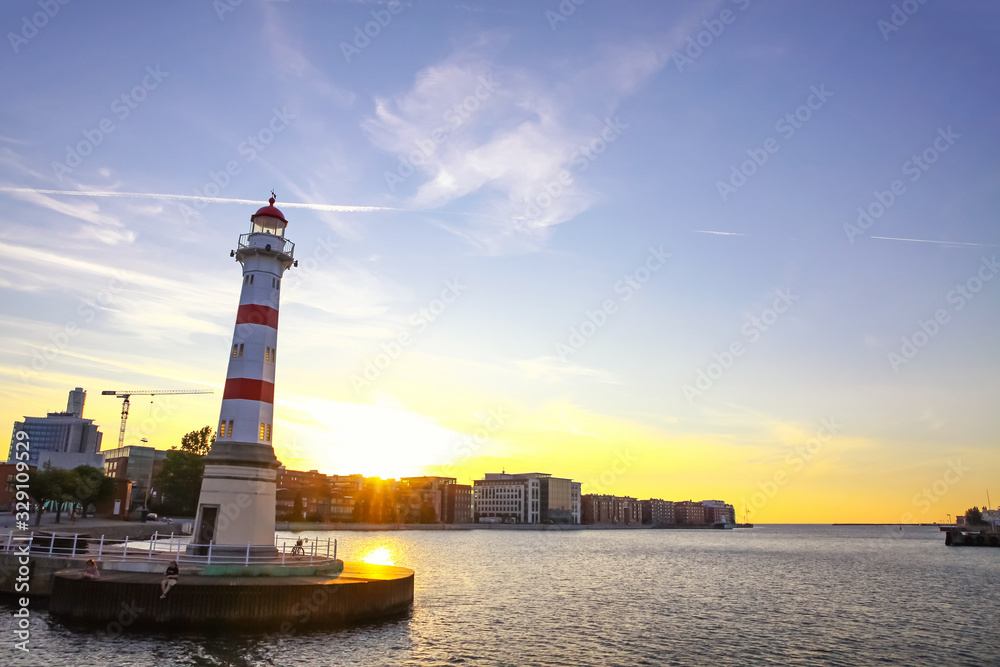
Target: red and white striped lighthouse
[236,506]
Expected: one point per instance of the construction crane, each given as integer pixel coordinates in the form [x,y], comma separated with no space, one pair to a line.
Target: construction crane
[144,392]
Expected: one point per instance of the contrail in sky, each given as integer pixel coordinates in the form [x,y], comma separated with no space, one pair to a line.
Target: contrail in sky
[213,200]
[706,231]
[893,238]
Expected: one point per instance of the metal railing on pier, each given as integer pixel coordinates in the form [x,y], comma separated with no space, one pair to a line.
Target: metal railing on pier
[84,546]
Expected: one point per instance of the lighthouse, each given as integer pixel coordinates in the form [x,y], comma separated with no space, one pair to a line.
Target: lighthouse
[236,506]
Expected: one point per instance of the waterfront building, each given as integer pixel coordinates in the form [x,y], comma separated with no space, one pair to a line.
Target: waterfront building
[627,511]
[598,509]
[8,492]
[531,497]
[65,439]
[689,512]
[309,490]
[423,498]
[240,470]
[300,479]
[657,512]
[611,510]
[136,464]
[458,503]
[717,511]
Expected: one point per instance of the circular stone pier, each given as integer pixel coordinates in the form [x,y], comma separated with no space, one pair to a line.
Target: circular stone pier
[280,600]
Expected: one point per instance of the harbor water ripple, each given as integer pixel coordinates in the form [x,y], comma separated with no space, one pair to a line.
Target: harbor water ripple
[771,595]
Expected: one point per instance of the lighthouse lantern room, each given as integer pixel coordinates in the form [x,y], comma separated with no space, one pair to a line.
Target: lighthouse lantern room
[236,506]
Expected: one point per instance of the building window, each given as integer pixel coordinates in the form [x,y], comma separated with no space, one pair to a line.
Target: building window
[246,279]
[274,354]
[241,349]
[269,433]
[235,349]
[230,428]
[222,429]
[262,430]
[267,354]
[251,279]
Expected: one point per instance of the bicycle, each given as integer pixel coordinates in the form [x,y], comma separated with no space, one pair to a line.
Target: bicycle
[298,551]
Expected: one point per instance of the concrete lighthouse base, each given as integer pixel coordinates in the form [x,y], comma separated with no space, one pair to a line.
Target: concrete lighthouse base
[286,604]
[236,504]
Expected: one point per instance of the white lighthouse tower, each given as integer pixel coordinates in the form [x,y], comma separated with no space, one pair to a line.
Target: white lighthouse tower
[236,506]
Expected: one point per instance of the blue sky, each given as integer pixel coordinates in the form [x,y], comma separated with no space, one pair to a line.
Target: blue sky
[502,105]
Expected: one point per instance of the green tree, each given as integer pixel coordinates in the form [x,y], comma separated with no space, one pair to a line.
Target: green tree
[973,516]
[198,442]
[92,486]
[179,482]
[50,484]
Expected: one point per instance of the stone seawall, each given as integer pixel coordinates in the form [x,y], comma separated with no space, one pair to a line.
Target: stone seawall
[284,604]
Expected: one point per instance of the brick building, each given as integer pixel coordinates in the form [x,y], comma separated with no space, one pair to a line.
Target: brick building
[657,512]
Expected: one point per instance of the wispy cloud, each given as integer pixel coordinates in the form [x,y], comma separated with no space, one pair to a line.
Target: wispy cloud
[706,231]
[213,200]
[513,137]
[555,369]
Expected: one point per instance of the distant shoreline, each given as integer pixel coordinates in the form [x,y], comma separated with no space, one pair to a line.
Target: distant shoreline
[367,527]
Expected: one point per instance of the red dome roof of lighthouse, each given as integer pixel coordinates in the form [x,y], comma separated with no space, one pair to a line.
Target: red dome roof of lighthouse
[270,211]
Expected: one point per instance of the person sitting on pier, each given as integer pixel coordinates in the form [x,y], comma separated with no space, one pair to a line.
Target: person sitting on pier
[169,578]
[90,570]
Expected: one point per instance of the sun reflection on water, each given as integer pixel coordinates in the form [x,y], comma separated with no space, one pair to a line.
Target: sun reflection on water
[379,556]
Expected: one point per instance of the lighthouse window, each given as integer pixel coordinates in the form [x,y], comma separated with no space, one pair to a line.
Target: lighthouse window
[269,433]
[274,353]
[251,279]
[222,429]
[235,349]
[267,354]
[230,428]
[241,349]
[262,430]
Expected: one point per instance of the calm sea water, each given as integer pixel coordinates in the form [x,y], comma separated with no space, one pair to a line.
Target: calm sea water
[802,595]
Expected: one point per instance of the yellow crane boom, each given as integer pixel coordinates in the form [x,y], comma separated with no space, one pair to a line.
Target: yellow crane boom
[125,394]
